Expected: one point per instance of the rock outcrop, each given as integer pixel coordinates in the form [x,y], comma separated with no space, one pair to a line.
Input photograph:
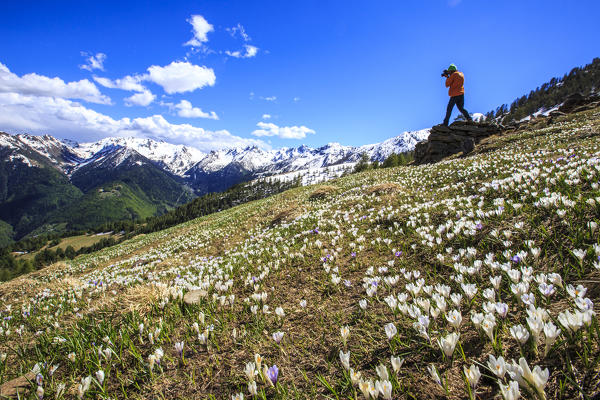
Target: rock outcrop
[578,102]
[459,137]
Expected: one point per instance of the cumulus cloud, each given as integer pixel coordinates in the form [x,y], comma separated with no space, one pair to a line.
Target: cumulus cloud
[283,132]
[250,51]
[66,118]
[129,83]
[270,98]
[93,62]
[180,77]
[200,29]
[39,85]
[186,110]
[177,77]
[143,98]
[238,30]
[266,116]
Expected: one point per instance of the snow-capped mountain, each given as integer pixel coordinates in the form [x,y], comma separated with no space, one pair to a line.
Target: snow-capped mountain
[176,159]
[38,150]
[215,171]
[224,168]
[291,159]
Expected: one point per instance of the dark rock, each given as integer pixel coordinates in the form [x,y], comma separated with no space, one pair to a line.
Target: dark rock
[573,101]
[556,113]
[459,137]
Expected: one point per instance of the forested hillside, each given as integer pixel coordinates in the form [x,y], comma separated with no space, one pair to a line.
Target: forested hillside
[584,80]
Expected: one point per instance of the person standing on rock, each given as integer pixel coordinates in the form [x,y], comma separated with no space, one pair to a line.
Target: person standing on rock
[455,82]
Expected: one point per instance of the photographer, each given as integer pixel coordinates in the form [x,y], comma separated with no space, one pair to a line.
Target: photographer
[455,82]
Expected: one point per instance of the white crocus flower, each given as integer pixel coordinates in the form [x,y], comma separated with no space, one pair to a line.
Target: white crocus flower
[277,336]
[497,366]
[382,372]
[362,304]
[454,318]
[578,291]
[495,281]
[551,332]
[396,363]
[519,333]
[448,343]
[434,374]
[477,319]
[83,386]
[456,299]
[384,387]
[536,326]
[252,388]
[100,376]
[345,333]
[354,376]
[390,330]
[345,359]
[250,371]
[501,309]
[510,391]
[368,389]
[472,374]
[488,324]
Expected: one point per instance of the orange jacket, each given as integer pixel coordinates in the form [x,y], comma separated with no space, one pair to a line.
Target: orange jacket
[455,82]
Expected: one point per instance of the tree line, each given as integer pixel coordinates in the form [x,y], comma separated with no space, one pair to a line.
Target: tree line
[393,160]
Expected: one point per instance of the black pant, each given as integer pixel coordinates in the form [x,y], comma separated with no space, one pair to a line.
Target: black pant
[460,104]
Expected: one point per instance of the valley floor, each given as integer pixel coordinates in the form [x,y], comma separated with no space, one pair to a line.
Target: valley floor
[474,277]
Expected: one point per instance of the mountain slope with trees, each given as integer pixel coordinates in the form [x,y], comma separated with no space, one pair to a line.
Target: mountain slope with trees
[584,80]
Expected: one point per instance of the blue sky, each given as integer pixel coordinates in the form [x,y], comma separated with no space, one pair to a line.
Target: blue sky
[353,72]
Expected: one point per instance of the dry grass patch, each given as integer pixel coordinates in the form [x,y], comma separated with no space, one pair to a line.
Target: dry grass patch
[322,192]
[384,188]
[286,215]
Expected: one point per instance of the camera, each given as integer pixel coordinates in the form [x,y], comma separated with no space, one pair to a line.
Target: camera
[445,73]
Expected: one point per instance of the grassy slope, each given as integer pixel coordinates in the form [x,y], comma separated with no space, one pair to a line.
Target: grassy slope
[77,242]
[100,300]
[113,202]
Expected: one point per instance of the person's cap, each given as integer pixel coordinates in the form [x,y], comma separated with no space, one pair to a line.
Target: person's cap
[452,67]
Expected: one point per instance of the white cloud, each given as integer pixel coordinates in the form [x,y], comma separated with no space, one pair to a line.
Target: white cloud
[296,99]
[141,99]
[93,61]
[270,98]
[251,51]
[130,83]
[69,119]
[200,28]
[266,116]
[186,110]
[283,132]
[238,30]
[39,85]
[180,77]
